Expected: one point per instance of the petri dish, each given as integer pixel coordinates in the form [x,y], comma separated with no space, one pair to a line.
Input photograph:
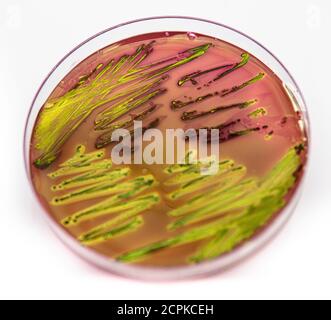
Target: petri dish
[167,148]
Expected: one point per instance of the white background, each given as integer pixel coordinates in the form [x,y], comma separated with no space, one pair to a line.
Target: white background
[36,34]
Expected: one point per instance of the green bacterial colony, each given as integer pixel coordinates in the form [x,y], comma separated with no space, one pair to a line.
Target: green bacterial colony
[239,205]
[124,84]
